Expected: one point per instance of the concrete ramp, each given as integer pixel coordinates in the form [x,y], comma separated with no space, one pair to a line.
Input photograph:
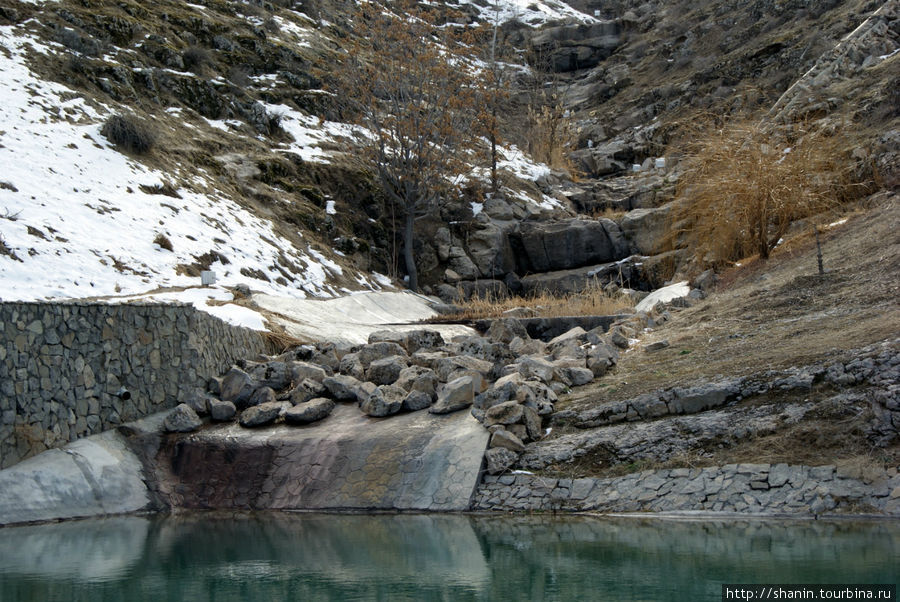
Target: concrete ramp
[415,461]
[353,318]
[95,476]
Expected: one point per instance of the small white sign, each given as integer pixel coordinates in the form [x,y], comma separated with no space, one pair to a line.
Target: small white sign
[207,277]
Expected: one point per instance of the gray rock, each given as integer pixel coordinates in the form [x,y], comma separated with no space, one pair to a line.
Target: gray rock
[503,438]
[275,374]
[503,390]
[237,386]
[261,395]
[386,370]
[351,365]
[504,330]
[645,229]
[301,371]
[418,378]
[656,346]
[455,395]
[410,340]
[704,397]
[533,424]
[536,368]
[574,334]
[500,459]
[445,367]
[182,419]
[508,412]
[574,376]
[416,400]
[261,415]
[308,389]
[311,411]
[563,245]
[383,401]
[221,411]
[342,387]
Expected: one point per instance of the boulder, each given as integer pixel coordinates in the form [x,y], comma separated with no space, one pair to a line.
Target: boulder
[237,386]
[508,412]
[490,250]
[525,346]
[302,370]
[351,365]
[532,367]
[308,389]
[221,411]
[261,415]
[386,370]
[417,378]
[574,376]
[342,387]
[444,367]
[182,419]
[645,229]
[261,395]
[563,245]
[455,395]
[504,330]
[310,411]
[503,438]
[538,396]
[369,353]
[275,374]
[503,390]
[416,400]
[533,425]
[576,334]
[601,357]
[411,340]
[383,401]
[500,459]
[499,209]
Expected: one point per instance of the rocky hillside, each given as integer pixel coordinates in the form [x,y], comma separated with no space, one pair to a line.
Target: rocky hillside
[237,160]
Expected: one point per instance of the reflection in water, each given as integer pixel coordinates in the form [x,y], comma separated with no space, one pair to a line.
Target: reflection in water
[431,557]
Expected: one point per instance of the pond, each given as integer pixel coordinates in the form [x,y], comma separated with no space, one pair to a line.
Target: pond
[272,556]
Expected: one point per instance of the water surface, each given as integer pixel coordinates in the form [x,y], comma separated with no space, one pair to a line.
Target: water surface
[218,557]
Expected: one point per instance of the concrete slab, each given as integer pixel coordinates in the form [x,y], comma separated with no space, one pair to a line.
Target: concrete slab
[353,318]
[414,461]
[91,477]
[664,294]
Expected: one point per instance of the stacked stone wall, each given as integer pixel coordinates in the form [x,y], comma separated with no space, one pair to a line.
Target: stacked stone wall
[65,367]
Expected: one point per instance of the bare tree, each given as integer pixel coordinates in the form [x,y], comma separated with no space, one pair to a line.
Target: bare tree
[406,80]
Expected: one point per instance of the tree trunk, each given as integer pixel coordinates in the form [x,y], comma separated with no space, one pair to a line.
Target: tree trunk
[494,183]
[408,254]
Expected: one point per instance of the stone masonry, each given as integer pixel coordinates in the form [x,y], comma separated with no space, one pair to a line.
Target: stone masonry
[744,488]
[62,366]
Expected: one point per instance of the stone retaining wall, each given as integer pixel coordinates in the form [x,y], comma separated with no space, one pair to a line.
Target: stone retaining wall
[62,364]
[745,488]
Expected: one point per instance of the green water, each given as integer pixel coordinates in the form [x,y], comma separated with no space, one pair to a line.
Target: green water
[203,557]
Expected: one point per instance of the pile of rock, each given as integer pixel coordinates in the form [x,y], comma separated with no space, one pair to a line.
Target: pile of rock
[510,380]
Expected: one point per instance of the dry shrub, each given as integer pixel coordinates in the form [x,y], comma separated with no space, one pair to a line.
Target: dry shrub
[129,133]
[591,302]
[551,135]
[744,185]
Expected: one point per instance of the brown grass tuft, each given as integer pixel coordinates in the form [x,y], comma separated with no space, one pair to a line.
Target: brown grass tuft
[591,302]
[744,185]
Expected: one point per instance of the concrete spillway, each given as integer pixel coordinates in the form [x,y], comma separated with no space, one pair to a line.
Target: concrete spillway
[416,461]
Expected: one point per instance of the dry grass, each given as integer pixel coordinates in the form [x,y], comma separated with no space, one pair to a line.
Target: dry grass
[745,185]
[591,302]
